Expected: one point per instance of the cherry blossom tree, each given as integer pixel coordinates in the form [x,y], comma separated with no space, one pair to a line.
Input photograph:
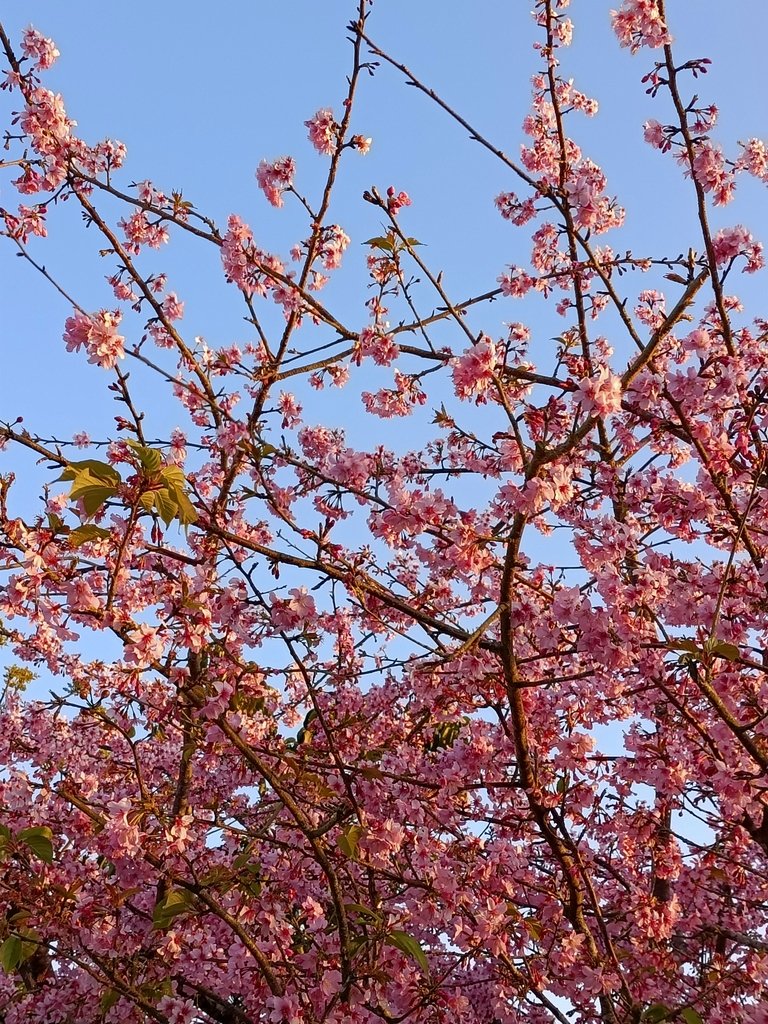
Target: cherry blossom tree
[323,736]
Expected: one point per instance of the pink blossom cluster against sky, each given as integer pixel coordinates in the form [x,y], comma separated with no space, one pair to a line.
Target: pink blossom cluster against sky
[212,103]
[233,108]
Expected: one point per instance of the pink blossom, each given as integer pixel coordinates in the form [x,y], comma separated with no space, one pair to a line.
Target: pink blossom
[650,308]
[516,283]
[655,136]
[375,343]
[81,597]
[178,450]
[330,983]
[333,242]
[710,171]
[361,144]
[42,51]
[96,333]
[383,840]
[599,395]
[248,267]
[173,307]
[398,401]
[396,200]
[563,31]
[338,373]
[738,241]
[699,342]
[235,245]
[290,409]
[178,1011]
[160,335]
[46,122]
[107,155]
[292,711]
[122,289]
[513,209]
[30,220]
[584,188]
[323,131]
[146,645]
[285,1010]
[139,231]
[754,158]
[350,467]
[294,612]
[474,370]
[639,23]
[276,178]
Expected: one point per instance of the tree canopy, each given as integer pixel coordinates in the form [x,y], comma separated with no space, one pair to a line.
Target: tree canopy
[401,659]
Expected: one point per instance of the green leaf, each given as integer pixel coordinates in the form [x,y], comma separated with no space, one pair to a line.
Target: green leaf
[444,735]
[92,468]
[187,513]
[243,860]
[16,677]
[55,523]
[176,486]
[218,876]
[173,477]
[364,911]
[39,840]
[348,841]
[728,651]
[82,534]
[108,1000]
[151,460]
[155,990]
[178,901]
[11,953]
[147,500]
[690,1016]
[381,242]
[92,482]
[656,1013]
[250,878]
[167,507]
[685,645]
[410,946]
[93,497]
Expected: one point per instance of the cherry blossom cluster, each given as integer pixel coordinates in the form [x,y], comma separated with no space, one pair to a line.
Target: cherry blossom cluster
[444,702]
[276,178]
[97,334]
[323,131]
[640,23]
